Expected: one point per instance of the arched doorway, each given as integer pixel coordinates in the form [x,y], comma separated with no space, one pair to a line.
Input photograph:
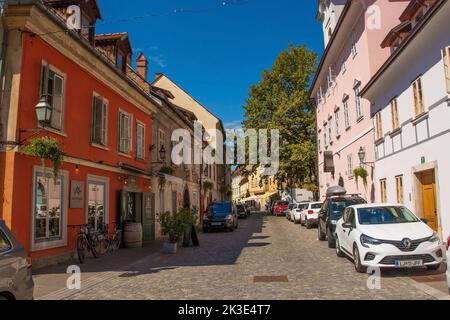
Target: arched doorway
[186,199]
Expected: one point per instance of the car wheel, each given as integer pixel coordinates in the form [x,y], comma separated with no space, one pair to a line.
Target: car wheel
[331,241]
[321,235]
[434,267]
[339,252]
[357,260]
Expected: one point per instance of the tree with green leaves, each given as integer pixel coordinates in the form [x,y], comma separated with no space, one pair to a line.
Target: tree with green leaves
[281,101]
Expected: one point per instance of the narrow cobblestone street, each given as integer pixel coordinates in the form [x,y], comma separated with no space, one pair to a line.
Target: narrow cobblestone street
[225,267]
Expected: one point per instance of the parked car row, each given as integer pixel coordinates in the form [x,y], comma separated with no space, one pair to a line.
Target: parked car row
[373,235]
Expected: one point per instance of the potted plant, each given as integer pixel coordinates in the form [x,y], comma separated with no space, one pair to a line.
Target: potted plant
[175,226]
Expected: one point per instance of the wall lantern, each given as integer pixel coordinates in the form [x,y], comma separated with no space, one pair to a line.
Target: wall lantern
[44,116]
[362,158]
[162,153]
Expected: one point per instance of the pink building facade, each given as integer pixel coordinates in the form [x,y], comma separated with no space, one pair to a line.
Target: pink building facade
[353,31]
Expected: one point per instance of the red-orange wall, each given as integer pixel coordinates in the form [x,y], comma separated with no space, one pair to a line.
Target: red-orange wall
[80,86]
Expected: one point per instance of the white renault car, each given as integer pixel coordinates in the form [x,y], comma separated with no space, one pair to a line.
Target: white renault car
[309,216]
[387,236]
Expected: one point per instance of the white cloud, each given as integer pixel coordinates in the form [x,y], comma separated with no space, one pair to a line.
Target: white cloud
[233,125]
[158,60]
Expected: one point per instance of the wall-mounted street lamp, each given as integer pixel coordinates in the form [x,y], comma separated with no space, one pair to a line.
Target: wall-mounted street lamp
[44,116]
[162,153]
[362,158]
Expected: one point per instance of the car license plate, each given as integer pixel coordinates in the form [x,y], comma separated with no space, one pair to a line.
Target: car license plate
[216,224]
[409,264]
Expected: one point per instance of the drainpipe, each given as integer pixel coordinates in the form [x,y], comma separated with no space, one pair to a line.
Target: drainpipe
[4,45]
[3,49]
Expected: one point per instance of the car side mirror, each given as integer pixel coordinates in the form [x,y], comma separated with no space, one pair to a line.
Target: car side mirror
[347,225]
[424,220]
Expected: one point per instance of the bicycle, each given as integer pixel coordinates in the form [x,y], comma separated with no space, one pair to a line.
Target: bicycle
[109,243]
[86,240]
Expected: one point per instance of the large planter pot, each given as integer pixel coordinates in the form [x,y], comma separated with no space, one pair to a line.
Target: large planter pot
[133,235]
[169,248]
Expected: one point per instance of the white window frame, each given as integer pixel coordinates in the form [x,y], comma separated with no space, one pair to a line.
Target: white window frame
[130,131]
[350,166]
[346,113]
[336,123]
[105,119]
[98,180]
[358,102]
[43,89]
[140,149]
[56,243]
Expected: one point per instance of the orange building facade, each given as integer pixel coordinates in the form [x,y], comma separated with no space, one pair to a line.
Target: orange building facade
[103,121]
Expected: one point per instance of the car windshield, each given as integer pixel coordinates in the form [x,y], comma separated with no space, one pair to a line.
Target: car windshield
[316,206]
[291,206]
[220,209]
[338,206]
[303,206]
[240,207]
[385,215]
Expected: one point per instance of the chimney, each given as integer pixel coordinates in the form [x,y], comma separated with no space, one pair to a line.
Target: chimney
[142,66]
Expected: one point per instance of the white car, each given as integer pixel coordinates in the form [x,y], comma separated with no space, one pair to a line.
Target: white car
[448,263]
[387,236]
[309,216]
[296,212]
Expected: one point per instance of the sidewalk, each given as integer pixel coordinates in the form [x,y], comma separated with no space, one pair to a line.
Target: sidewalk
[50,282]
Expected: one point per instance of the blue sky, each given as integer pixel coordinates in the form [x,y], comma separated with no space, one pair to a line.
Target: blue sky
[212,50]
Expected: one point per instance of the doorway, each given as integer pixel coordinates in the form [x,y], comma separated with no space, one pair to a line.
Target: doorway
[429,198]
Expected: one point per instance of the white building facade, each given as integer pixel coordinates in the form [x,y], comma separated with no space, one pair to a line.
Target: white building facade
[410,98]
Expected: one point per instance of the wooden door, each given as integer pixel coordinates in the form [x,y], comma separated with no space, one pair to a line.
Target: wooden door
[429,199]
[148,216]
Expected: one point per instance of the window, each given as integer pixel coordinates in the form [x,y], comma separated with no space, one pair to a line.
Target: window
[336,121]
[140,141]
[330,134]
[394,111]
[99,120]
[419,107]
[325,141]
[346,114]
[161,141]
[85,27]
[350,166]
[331,76]
[318,145]
[378,125]
[124,132]
[97,205]
[446,59]
[400,192]
[354,48]
[120,60]
[383,190]
[5,245]
[359,113]
[53,87]
[50,198]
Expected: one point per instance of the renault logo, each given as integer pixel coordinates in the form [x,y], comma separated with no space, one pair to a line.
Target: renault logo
[407,243]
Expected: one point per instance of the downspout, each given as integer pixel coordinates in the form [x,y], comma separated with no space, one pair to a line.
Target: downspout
[3,47]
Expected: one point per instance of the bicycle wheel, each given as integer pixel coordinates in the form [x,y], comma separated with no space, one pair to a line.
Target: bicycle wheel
[101,243]
[81,248]
[94,242]
[117,240]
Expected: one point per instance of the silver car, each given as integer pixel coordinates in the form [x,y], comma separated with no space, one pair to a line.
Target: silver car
[16,281]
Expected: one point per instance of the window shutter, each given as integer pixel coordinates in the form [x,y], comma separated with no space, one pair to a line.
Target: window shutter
[446,59]
[44,79]
[104,123]
[57,112]
[97,120]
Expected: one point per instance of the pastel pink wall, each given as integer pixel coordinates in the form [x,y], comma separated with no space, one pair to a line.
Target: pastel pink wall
[369,58]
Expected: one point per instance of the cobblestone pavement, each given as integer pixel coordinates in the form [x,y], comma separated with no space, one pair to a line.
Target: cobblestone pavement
[225,265]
